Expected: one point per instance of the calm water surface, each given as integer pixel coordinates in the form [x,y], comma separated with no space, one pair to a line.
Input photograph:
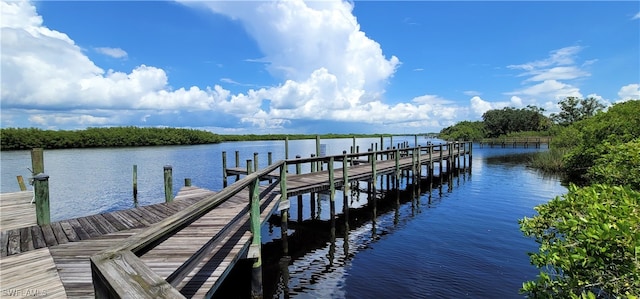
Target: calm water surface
[461,240]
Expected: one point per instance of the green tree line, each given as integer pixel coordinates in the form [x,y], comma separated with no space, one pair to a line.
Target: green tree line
[500,122]
[28,138]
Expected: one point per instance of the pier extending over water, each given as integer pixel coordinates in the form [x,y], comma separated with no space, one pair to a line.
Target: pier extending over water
[186,247]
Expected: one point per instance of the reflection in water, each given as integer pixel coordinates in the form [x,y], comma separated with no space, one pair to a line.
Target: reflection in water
[464,242]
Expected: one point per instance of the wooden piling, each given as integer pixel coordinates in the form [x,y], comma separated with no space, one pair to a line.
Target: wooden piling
[187,182]
[256,242]
[237,164]
[286,148]
[224,169]
[21,184]
[440,169]
[37,161]
[255,161]
[345,192]
[168,183]
[284,210]
[41,193]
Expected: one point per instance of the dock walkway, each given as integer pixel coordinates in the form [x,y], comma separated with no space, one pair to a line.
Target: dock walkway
[184,248]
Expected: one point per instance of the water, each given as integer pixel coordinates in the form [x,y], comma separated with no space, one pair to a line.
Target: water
[459,240]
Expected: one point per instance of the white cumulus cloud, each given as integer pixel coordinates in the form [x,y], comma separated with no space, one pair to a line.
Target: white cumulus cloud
[113,52]
[629,92]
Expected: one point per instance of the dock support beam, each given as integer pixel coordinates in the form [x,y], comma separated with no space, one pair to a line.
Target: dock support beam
[37,161]
[283,206]
[41,192]
[256,242]
[168,183]
[224,170]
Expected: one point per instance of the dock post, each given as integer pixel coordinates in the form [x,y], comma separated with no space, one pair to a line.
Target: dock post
[168,183]
[224,169]
[397,155]
[440,169]
[332,181]
[345,192]
[470,154]
[284,209]
[298,169]
[430,165]
[319,166]
[353,147]
[23,187]
[37,161]
[286,148]
[332,211]
[464,156]
[415,142]
[269,162]
[373,168]
[381,142]
[135,185]
[41,192]
[255,161]
[237,164]
[187,182]
[256,242]
[313,164]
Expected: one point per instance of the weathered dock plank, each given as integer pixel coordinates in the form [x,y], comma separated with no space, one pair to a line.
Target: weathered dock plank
[17,210]
[41,279]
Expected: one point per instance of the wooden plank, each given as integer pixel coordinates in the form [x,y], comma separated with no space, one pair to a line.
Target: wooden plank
[59,232]
[26,241]
[40,280]
[49,236]
[77,227]
[104,223]
[115,222]
[4,241]
[38,237]
[136,216]
[88,227]
[13,245]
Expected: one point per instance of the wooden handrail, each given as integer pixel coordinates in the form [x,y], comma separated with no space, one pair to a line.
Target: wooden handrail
[118,271]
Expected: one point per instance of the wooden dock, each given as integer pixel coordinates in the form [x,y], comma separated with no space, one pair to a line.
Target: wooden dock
[514,142]
[184,248]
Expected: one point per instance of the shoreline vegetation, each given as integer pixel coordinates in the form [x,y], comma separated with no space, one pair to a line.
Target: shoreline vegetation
[28,138]
[589,238]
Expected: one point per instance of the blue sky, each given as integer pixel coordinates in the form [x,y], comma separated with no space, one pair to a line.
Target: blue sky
[308,67]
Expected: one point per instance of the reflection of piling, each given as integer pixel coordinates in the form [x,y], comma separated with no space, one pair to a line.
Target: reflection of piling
[135,186]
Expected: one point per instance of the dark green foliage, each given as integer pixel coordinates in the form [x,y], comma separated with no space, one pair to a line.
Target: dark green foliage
[28,138]
[589,242]
[619,165]
[575,109]
[464,130]
[507,120]
[620,124]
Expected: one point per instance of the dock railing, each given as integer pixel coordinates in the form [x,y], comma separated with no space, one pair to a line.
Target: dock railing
[118,272]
